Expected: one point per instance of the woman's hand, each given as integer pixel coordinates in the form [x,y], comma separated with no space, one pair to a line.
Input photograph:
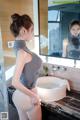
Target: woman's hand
[36,100]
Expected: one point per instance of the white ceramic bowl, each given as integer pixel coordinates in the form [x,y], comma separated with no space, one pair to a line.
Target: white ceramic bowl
[52,88]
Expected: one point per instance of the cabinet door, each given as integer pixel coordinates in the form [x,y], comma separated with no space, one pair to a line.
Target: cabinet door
[48,115]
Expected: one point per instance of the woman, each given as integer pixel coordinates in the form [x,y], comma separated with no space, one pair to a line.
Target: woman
[71,47]
[28,64]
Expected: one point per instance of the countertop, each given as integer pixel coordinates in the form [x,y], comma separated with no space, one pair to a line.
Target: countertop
[70,105]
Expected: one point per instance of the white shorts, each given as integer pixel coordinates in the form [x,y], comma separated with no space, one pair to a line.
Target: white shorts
[22,101]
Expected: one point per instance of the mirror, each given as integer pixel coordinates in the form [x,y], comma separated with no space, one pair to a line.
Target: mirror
[55,33]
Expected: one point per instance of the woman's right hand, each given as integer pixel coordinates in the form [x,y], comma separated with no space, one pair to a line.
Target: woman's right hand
[36,100]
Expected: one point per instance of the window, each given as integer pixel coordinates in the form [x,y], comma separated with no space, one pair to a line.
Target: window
[54,32]
[55,17]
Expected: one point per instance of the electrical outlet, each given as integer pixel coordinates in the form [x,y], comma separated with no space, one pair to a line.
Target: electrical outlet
[10,44]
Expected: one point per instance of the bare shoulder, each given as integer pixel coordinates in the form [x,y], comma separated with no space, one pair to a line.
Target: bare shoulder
[24,56]
[21,53]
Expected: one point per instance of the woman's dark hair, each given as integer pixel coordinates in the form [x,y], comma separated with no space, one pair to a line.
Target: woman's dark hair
[74,22]
[75,42]
[19,21]
[74,39]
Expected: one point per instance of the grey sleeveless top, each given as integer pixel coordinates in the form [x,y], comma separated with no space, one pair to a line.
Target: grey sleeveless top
[73,52]
[31,69]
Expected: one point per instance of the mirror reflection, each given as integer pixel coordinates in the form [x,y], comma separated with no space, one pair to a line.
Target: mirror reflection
[63,33]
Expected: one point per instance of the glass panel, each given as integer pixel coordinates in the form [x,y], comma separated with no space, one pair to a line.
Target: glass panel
[3,88]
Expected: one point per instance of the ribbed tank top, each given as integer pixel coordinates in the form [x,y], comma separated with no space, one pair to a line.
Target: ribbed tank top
[31,69]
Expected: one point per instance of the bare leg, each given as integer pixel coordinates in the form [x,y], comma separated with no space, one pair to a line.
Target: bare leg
[22,114]
[35,113]
[21,103]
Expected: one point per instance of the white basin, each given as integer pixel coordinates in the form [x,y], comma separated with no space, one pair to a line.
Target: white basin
[52,88]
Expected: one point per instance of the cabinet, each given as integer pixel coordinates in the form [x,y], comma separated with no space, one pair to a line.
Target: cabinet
[49,113]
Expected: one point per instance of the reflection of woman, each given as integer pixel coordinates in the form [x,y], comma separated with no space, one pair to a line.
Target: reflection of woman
[28,64]
[71,47]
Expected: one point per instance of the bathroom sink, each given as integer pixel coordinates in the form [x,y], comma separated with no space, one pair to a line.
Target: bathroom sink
[52,88]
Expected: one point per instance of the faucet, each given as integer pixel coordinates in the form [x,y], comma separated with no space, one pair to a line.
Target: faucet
[61,68]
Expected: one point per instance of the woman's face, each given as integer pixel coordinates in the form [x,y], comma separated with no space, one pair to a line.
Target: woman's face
[75,30]
[28,34]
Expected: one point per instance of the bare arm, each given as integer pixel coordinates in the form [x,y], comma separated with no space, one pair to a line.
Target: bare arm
[20,62]
[65,44]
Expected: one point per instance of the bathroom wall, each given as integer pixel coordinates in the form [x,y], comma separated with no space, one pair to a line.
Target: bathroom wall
[7,8]
[43,17]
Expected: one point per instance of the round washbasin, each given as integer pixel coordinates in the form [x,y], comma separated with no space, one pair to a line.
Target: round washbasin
[52,88]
